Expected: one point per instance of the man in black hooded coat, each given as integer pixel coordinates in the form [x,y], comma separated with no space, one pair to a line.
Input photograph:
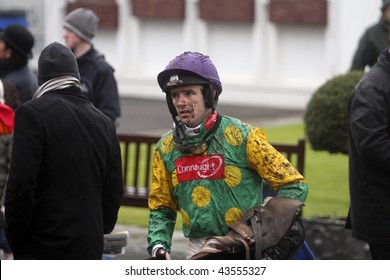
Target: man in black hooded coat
[369,158]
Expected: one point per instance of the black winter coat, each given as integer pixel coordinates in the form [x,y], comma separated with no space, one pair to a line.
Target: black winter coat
[98,83]
[65,185]
[369,154]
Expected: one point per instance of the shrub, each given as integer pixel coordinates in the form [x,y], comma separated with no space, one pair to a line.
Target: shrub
[326,115]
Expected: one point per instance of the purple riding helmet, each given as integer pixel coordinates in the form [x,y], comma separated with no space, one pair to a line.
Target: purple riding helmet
[191,68]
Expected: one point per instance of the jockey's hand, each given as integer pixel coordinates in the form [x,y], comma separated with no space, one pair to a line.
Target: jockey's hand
[159,253]
[162,254]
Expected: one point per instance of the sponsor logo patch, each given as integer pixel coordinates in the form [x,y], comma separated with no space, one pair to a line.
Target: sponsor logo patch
[204,167]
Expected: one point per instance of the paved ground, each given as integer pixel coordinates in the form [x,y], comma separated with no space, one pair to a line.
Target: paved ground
[152,117]
[137,243]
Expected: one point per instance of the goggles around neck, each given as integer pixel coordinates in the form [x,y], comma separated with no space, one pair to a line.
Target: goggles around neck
[196,148]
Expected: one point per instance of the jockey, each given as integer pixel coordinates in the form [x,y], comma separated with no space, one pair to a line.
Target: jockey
[210,167]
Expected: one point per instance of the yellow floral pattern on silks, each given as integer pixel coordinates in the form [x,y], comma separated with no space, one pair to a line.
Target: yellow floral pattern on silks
[210,206]
[233,176]
[233,136]
[232,215]
[272,166]
[200,196]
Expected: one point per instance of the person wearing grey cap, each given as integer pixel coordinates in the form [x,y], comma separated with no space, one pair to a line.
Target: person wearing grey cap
[65,182]
[98,82]
[16,43]
[373,41]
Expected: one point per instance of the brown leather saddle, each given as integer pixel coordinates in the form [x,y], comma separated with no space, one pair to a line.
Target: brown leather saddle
[270,231]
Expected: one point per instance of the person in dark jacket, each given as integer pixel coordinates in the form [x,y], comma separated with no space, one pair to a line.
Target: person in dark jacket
[65,183]
[8,103]
[373,41]
[369,158]
[16,44]
[97,76]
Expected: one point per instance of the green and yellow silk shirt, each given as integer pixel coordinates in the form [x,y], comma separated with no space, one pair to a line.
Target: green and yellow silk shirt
[213,190]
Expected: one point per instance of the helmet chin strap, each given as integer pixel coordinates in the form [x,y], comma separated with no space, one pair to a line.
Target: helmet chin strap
[179,130]
[192,148]
[189,130]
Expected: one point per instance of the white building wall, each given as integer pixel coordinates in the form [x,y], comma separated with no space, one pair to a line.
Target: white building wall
[260,63]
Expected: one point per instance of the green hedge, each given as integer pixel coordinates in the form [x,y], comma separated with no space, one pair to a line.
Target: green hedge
[325,118]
